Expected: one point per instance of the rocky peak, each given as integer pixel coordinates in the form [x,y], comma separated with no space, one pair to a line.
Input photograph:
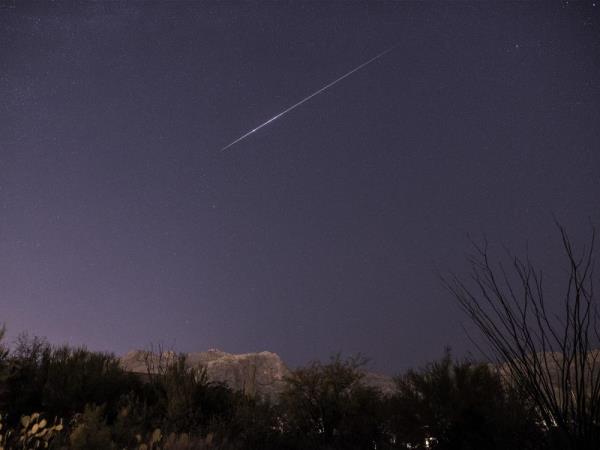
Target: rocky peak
[261,373]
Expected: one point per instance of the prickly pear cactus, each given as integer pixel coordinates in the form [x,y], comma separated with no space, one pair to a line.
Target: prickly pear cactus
[35,433]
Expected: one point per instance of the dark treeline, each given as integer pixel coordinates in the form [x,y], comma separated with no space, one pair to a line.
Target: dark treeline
[542,393]
[71,398]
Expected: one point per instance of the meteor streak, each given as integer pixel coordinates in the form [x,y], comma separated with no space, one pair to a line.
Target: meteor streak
[294,106]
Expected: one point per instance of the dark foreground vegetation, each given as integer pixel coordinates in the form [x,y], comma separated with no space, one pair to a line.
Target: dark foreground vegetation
[542,393]
[60,397]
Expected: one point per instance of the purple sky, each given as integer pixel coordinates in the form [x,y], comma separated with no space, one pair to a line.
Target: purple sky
[122,224]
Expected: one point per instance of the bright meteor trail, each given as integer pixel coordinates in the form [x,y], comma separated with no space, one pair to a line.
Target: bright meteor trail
[285,111]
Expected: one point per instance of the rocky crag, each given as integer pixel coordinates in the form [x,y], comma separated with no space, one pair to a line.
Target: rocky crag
[260,373]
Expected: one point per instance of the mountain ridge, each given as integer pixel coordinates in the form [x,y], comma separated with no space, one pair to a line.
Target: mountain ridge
[261,373]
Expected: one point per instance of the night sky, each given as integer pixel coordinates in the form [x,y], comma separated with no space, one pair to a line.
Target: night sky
[123,224]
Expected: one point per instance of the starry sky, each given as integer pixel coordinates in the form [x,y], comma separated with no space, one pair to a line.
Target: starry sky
[123,224]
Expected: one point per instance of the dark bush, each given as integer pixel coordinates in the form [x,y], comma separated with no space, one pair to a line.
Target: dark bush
[61,381]
[327,406]
[447,405]
[460,405]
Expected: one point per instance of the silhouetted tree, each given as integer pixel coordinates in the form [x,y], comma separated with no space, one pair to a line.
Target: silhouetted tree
[461,405]
[181,398]
[60,381]
[327,406]
[551,357]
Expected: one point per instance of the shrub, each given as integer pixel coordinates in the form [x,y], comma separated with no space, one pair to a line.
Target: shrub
[326,405]
[459,405]
[90,431]
[61,381]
